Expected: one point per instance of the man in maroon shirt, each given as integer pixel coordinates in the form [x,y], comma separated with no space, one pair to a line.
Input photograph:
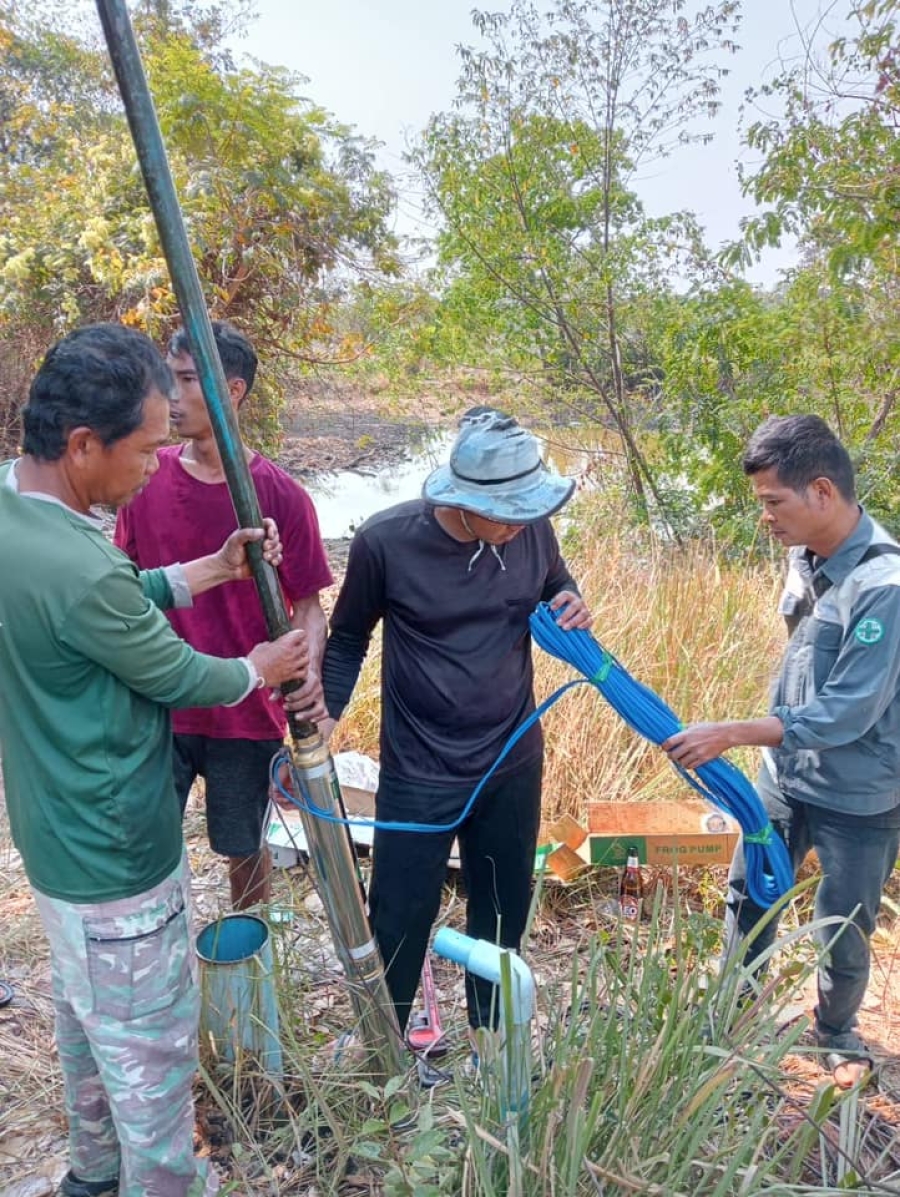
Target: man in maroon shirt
[186,506]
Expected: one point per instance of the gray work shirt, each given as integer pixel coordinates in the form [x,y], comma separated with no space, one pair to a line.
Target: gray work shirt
[837,693]
[456,671]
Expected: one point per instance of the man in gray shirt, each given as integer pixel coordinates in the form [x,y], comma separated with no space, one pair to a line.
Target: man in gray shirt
[454,576]
[830,777]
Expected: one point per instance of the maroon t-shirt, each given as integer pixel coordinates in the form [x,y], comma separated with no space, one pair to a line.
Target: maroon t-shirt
[177,518]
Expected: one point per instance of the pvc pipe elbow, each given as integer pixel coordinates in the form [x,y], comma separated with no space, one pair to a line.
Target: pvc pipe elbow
[483,959]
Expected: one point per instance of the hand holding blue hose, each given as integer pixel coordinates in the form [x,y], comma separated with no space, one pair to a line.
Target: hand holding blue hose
[769,871]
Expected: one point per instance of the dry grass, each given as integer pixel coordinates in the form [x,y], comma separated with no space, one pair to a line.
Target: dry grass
[680,624]
[704,636]
[31,1115]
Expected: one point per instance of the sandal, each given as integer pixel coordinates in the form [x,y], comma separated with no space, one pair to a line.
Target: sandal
[850,1069]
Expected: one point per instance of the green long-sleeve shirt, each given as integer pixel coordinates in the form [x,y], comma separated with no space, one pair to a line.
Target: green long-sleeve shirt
[89,667]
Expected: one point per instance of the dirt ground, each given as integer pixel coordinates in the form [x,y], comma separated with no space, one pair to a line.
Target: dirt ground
[329,429]
[346,430]
[321,435]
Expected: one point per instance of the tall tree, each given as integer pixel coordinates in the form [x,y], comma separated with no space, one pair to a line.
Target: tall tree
[547,251]
[830,176]
[284,205]
[830,170]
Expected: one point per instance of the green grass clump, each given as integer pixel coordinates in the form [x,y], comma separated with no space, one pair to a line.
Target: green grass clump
[653,1072]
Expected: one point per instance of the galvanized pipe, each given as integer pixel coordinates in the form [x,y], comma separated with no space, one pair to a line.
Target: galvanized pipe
[331,849]
[505,968]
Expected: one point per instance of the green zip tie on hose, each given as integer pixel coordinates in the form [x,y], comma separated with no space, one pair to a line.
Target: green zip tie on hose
[763,837]
[604,671]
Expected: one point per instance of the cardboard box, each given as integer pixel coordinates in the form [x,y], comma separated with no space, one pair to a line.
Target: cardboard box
[287,840]
[558,849]
[358,778]
[665,833]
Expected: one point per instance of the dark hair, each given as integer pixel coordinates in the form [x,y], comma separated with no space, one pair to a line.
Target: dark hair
[97,377]
[237,355]
[800,449]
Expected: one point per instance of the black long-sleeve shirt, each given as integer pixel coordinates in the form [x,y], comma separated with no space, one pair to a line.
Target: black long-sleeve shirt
[456,660]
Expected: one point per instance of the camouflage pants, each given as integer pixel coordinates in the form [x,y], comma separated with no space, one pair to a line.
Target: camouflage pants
[127,1002]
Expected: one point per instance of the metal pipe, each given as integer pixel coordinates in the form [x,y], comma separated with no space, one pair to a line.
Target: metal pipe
[331,848]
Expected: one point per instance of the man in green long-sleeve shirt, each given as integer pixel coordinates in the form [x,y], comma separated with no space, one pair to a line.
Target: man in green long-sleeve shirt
[89,669]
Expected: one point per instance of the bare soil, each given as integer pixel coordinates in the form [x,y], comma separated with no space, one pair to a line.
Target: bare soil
[333,429]
[339,433]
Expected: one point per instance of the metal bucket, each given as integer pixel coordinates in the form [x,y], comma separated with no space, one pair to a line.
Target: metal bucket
[238,1010]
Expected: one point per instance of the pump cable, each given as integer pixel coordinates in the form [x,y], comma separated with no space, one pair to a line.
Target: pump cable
[768,865]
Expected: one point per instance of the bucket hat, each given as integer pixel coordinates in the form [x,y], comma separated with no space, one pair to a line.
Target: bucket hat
[495,470]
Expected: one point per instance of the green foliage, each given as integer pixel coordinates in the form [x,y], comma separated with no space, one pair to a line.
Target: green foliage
[831,172]
[283,204]
[552,271]
[723,369]
[415,1153]
[732,356]
[551,286]
[389,326]
[547,255]
[830,176]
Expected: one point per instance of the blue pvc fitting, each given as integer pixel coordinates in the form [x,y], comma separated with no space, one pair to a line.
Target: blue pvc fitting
[514,1054]
[453,945]
[483,959]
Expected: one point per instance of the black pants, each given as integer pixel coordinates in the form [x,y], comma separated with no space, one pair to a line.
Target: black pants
[497,844]
[857,854]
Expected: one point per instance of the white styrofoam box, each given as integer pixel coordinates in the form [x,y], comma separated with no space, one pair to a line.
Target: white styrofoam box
[358,777]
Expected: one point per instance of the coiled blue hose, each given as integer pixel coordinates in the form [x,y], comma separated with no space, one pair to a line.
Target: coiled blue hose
[769,871]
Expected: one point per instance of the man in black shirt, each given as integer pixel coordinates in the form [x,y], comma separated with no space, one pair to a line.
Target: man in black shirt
[454,576]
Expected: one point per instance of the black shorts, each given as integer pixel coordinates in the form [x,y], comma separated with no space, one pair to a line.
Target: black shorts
[236,773]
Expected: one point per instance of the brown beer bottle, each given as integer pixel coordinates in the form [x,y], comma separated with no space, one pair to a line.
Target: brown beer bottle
[631,887]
